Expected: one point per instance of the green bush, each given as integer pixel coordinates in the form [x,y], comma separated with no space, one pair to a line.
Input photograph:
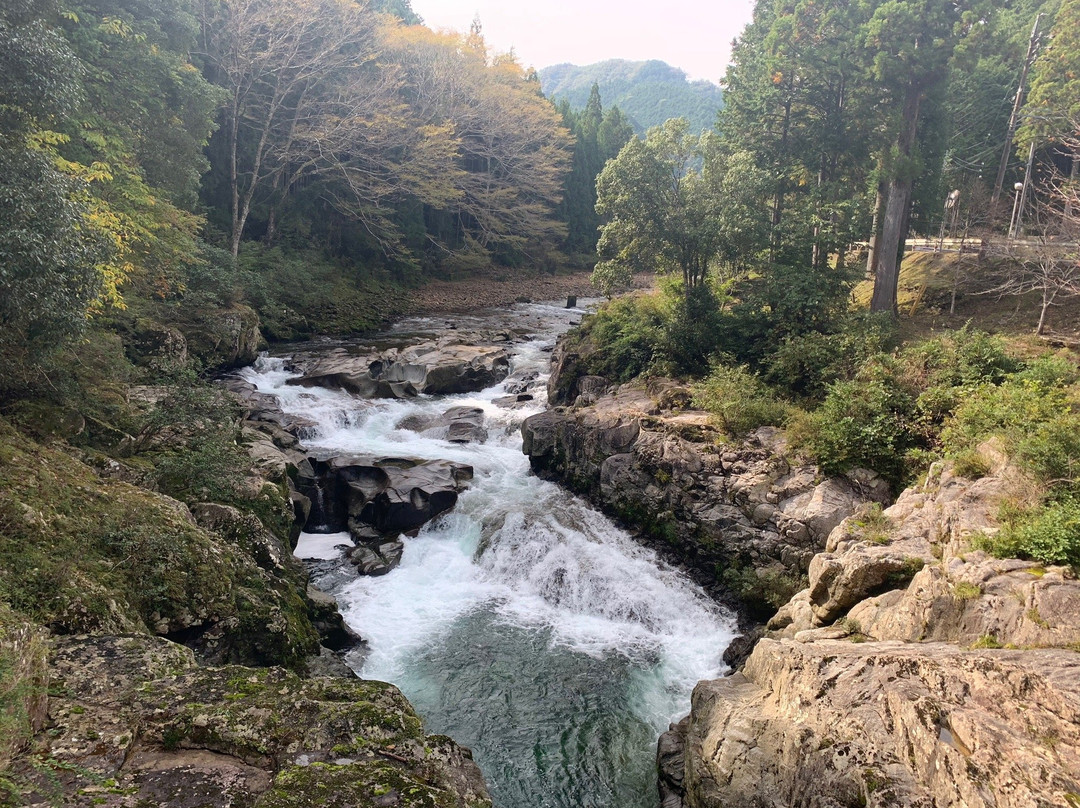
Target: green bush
[863,423]
[739,400]
[1039,426]
[693,331]
[625,338]
[805,365]
[946,369]
[1048,533]
[302,293]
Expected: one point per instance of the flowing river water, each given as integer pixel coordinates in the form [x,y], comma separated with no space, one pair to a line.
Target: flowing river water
[523,623]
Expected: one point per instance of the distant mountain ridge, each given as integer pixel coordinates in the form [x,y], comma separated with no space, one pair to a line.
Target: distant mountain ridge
[647,92]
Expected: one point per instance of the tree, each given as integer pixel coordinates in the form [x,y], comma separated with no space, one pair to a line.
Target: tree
[665,213]
[912,43]
[307,101]
[50,250]
[1054,99]
[796,97]
[139,136]
[1048,263]
[511,151]
[598,137]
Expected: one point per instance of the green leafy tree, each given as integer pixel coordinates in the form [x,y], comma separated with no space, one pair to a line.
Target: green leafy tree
[50,253]
[1053,103]
[912,45]
[797,99]
[674,202]
[658,210]
[598,137]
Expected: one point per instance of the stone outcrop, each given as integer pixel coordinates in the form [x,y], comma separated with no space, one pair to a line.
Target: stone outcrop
[457,425]
[223,338]
[912,669]
[832,723]
[389,495]
[135,722]
[742,507]
[879,685]
[377,500]
[457,364]
[911,574]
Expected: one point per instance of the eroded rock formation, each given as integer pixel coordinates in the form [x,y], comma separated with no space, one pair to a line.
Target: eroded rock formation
[741,507]
[134,721]
[457,364]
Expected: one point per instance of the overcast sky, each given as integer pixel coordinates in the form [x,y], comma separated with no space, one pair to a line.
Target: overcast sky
[694,35]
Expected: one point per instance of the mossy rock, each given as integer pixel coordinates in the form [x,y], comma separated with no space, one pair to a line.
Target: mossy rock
[136,717]
[370,784]
[83,554]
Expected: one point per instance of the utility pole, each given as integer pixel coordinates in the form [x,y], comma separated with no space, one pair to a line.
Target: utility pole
[1018,102]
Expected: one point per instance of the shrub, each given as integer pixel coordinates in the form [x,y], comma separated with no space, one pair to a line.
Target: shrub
[1048,533]
[739,400]
[862,423]
[693,330]
[1038,425]
[625,337]
[805,365]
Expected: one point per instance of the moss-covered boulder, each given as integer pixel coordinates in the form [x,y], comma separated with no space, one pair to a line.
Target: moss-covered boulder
[82,553]
[135,722]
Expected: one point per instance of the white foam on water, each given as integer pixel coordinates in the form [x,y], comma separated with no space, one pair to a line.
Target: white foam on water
[522,548]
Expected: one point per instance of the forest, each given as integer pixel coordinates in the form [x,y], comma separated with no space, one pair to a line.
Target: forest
[648,93]
[849,132]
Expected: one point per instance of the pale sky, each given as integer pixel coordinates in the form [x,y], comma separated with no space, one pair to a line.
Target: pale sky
[694,35]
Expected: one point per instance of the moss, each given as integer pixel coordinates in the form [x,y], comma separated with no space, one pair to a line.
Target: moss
[260,714]
[23,681]
[356,784]
[965,590]
[1036,618]
[84,554]
[901,577]
[872,524]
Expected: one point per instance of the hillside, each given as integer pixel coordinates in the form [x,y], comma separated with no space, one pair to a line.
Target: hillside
[647,92]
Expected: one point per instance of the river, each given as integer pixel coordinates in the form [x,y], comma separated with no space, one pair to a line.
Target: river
[524,623]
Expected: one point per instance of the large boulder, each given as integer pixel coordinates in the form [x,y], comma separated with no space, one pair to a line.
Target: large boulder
[377,499]
[223,338]
[833,724]
[457,425]
[440,367]
[133,721]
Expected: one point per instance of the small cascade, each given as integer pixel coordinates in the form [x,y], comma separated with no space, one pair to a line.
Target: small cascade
[523,622]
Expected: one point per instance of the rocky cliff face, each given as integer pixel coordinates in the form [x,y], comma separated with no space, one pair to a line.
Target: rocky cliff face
[909,670]
[881,685]
[740,512]
[832,723]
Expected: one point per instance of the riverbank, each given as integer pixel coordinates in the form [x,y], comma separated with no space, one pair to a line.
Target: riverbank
[905,666]
[495,288]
